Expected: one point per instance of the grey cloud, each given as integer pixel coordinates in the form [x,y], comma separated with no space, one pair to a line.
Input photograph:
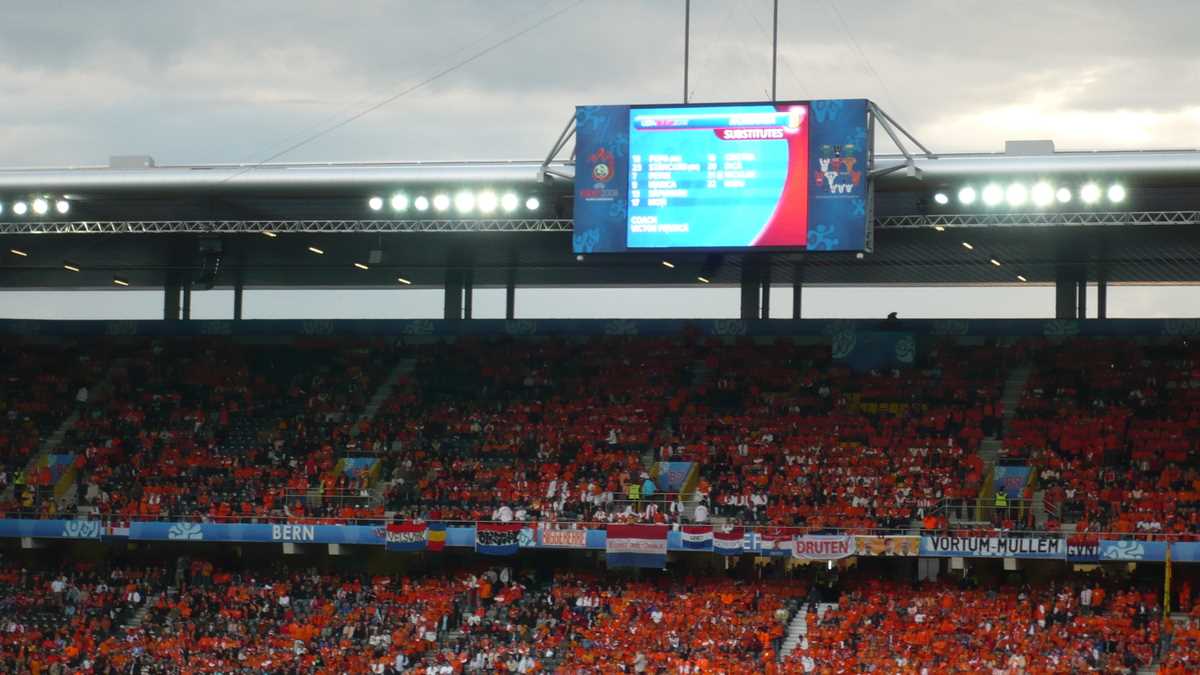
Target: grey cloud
[228,80]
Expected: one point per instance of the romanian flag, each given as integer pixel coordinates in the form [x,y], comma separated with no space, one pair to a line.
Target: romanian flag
[435,539]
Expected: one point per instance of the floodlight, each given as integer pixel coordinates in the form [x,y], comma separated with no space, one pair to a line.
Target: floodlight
[487,201]
[376,203]
[1042,194]
[532,203]
[966,196]
[992,195]
[316,250]
[62,206]
[399,202]
[1016,194]
[70,266]
[120,282]
[41,206]
[1090,193]
[421,203]
[441,202]
[941,198]
[1063,195]
[20,208]
[464,202]
[1116,193]
[509,202]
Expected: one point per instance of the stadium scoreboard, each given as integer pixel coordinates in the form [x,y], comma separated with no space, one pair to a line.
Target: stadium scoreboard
[781,176]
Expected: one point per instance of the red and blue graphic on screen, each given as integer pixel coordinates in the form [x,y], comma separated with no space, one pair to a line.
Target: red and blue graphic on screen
[722,177]
[718,177]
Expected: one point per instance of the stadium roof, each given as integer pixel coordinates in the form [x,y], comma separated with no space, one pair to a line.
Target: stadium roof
[141,221]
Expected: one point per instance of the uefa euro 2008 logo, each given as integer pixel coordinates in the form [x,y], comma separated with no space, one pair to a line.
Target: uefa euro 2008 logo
[601,165]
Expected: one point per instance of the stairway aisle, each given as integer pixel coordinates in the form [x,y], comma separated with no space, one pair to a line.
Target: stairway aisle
[797,632]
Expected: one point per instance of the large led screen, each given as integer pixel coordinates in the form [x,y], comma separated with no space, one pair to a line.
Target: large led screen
[722,177]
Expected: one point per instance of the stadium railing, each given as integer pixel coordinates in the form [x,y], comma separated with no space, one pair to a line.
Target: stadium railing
[957,531]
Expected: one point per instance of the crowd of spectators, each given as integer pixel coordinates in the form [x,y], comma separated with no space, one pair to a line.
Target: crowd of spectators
[201,618]
[217,430]
[68,618]
[1113,429]
[197,616]
[561,429]
[557,429]
[1082,625]
[38,390]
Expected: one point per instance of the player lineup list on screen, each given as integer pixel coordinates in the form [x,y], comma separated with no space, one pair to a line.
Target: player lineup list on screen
[717,177]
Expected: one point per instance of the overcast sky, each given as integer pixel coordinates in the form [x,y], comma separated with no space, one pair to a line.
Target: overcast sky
[218,81]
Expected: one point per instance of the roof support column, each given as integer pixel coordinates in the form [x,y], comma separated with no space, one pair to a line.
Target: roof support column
[1070,293]
[751,288]
[238,287]
[797,288]
[452,309]
[171,296]
[510,297]
[187,297]
[468,293]
[1102,298]
[766,292]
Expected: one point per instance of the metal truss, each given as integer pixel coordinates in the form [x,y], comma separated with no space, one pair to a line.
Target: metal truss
[1081,219]
[283,226]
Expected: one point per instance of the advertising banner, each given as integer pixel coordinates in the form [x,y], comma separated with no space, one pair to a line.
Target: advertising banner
[259,532]
[823,547]
[994,547]
[899,545]
[637,546]
[1133,551]
[51,529]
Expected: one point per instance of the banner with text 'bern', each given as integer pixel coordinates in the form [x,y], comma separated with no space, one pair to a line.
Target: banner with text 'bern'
[637,546]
